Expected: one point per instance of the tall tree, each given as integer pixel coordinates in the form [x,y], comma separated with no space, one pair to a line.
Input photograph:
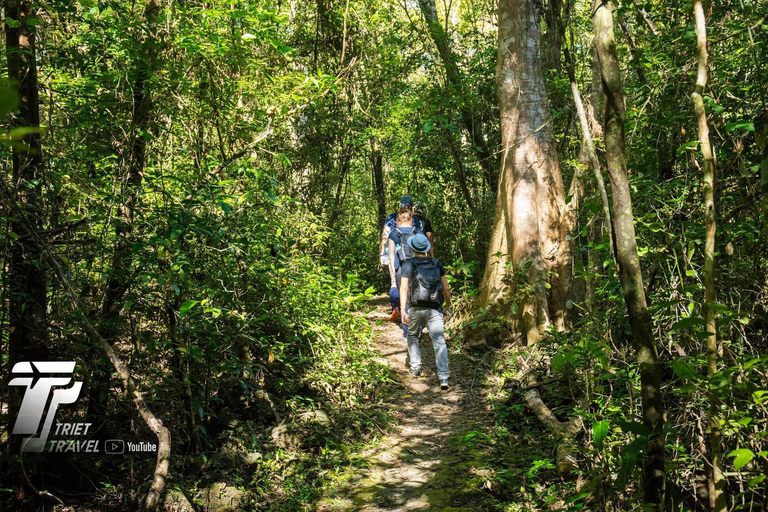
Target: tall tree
[470,121]
[27,337]
[532,196]
[119,281]
[630,273]
[378,184]
[716,481]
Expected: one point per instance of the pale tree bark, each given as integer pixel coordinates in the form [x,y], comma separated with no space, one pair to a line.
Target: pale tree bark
[532,196]
[27,331]
[630,272]
[453,77]
[493,286]
[588,146]
[645,17]
[716,480]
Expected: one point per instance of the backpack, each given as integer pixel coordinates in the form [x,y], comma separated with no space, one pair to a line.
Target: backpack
[427,287]
[404,250]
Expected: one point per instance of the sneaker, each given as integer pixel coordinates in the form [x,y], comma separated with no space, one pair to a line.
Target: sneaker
[395,316]
[443,384]
[416,373]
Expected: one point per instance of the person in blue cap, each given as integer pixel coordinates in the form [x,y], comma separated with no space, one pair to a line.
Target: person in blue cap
[425,301]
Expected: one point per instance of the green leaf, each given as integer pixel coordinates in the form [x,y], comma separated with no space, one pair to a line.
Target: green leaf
[684,370]
[740,125]
[743,456]
[9,99]
[599,431]
[692,321]
[634,426]
[184,309]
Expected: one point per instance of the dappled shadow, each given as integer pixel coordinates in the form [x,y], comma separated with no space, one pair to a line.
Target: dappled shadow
[420,465]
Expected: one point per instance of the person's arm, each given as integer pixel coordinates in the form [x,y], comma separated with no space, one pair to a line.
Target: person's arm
[384,237]
[432,245]
[403,299]
[447,297]
[392,261]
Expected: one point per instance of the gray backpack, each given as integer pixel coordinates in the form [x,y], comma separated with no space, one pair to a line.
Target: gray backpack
[404,250]
[427,287]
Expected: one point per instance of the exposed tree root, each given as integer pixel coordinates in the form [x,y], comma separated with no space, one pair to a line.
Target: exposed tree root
[566,463]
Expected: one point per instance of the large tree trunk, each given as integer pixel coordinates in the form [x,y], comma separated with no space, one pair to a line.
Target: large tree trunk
[630,273]
[453,76]
[716,480]
[27,335]
[493,286]
[532,193]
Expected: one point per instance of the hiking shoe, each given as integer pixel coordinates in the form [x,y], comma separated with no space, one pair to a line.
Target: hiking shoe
[416,373]
[395,316]
[443,384]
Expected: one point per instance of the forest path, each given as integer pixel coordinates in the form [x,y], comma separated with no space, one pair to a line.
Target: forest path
[429,460]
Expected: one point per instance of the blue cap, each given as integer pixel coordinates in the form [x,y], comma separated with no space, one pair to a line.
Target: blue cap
[406,202]
[419,243]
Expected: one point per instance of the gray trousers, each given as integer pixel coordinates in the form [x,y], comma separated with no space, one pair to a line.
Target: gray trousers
[432,319]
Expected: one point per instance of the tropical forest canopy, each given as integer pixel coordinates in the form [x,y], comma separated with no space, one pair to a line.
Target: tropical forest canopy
[192,200]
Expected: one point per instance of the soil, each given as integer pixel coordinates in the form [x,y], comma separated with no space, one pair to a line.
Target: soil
[429,459]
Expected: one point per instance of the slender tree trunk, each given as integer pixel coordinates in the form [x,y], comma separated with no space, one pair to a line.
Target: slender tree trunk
[645,17]
[378,183]
[117,284]
[588,145]
[554,36]
[460,175]
[119,280]
[763,142]
[632,49]
[630,272]
[181,364]
[27,333]
[472,126]
[716,484]
[533,194]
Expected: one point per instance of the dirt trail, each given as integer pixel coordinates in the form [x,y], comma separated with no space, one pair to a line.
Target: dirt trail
[423,463]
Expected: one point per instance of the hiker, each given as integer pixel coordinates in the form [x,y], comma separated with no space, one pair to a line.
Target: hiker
[423,288]
[399,252]
[391,221]
[426,225]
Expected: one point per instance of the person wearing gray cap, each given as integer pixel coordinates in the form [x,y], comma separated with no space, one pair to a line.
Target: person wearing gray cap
[423,288]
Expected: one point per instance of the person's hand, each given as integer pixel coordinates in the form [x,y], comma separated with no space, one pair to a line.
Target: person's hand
[404,318]
[447,314]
